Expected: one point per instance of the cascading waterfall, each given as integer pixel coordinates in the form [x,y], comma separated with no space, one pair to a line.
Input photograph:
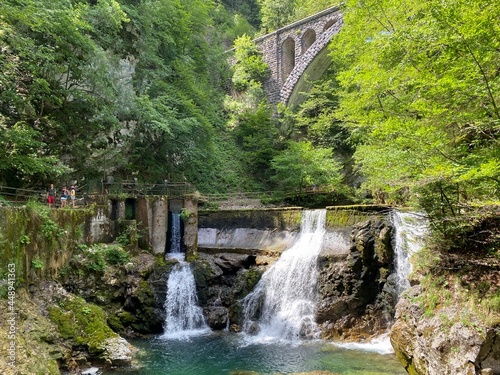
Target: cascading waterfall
[175,237]
[183,315]
[282,304]
[410,232]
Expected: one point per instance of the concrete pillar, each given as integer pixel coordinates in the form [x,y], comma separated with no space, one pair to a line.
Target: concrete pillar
[191,227]
[143,217]
[159,224]
[152,221]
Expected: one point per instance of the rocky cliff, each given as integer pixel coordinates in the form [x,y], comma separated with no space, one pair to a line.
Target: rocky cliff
[356,292]
[448,322]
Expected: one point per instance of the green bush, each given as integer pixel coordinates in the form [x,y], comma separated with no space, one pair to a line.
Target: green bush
[116,255]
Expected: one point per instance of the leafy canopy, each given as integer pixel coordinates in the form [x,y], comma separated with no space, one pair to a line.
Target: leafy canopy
[301,165]
[419,86]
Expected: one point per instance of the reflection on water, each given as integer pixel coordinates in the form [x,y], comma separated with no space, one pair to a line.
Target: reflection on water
[228,353]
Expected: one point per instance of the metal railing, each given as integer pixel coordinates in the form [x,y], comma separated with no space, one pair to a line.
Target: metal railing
[21,196]
[136,188]
[265,195]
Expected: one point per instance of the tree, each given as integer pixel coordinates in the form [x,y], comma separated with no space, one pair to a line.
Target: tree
[419,88]
[250,68]
[276,13]
[22,156]
[53,82]
[110,86]
[301,165]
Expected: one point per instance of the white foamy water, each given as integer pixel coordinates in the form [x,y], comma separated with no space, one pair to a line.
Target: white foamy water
[184,317]
[380,345]
[281,307]
[411,230]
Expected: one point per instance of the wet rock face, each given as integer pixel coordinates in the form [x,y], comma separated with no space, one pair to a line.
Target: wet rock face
[445,343]
[132,295]
[222,280]
[356,294]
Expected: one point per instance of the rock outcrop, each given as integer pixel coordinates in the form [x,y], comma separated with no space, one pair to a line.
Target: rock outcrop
[356,294]
[132,294]
[450,341]
[222,281]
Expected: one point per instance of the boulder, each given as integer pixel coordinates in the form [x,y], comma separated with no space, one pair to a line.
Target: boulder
[216,316]
[118,352]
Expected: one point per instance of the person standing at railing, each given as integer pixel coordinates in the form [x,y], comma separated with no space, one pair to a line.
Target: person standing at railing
[72,195]
[51,195]
[64,197]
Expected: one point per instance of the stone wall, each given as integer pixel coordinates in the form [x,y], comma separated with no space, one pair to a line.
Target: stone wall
[39,242]
[267,231]
[272,231]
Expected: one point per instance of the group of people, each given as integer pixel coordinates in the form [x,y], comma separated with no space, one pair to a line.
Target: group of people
[65,195]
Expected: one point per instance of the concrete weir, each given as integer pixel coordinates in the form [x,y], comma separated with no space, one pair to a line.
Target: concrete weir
[271,231]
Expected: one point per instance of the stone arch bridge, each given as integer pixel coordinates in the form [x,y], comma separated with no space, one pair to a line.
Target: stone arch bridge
[297,54]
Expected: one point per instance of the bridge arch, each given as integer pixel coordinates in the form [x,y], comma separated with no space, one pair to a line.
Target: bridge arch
[308,39]
[314,62]
[328,24]
[288,57]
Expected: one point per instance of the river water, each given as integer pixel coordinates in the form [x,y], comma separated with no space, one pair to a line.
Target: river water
[226,353]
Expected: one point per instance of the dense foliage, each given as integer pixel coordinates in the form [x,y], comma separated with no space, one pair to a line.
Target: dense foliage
[275,14]
[419,89]
[139,89]
[92,88]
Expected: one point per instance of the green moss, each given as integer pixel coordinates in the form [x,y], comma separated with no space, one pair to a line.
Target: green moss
[344,217]
[160,260]
[34,232]
[82,323]
[126,317]
[144,293]
[115,323]
[252,277]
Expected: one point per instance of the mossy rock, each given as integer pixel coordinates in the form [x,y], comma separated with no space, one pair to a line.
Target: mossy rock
[84,324]
[144,293]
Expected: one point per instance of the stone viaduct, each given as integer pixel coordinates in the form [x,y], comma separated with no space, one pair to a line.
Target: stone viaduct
[297,54]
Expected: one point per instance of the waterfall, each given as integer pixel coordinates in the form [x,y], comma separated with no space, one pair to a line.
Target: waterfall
[282,303]
[410,232]
[175,237]
[183,315]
